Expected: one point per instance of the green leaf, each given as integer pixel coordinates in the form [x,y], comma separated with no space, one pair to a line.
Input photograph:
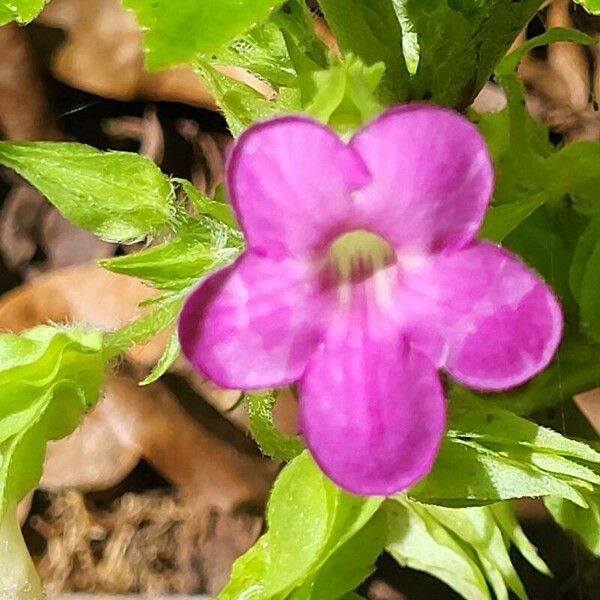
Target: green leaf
[175,36]
[420,542]
[179,263]
[119,196]
[583,522]
[471,418]
[589,298]
[503,456]
[169,356]
[592,6]
[511,61]
[49,377]
[309,522]
[241,104]
[463,547]
[501,220]
[506,520]
[22,11]
[217,208]
[460,43]
[487,476]
[343,96]
[269,439]
[329,518]
[144,328]
[587,244]
[546,242]
[261,50]
[477,527]
[371,31]
[248,574]
[350,565]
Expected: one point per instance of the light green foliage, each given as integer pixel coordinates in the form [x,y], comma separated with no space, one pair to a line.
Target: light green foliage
[145,327]
[343,96]
[269,439]
[418,541]
[119,196]
[592,6]
[263,51]
[195,26]
[49,377]
[216,208]
[466,548]
[168,357]
[373,34]
[349,565]
[282,52]
[310,521]
[21,11]
[177,264]
[241,104]
[502,456]
[584,523]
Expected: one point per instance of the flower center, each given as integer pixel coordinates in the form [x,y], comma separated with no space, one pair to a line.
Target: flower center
[359,254]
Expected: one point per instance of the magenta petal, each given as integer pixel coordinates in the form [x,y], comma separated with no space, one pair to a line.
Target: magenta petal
[251,325]
[501,322]
[372,411]
[432,177]
[290,181]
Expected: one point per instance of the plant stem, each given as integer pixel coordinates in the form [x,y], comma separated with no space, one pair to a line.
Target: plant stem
[18,578]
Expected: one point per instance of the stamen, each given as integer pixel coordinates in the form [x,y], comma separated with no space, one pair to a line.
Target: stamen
[359,254]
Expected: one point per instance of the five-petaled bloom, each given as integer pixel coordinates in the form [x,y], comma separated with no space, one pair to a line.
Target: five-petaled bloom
[361,278]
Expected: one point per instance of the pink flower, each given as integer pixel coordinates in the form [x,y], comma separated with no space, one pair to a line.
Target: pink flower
[361,278]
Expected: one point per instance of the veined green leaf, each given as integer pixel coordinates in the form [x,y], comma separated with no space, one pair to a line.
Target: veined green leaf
[420,542]
[478,528]
[209,25]
[471,418]
[262,51]
[119,196]
[464,547]
[487,476]
[179,263]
